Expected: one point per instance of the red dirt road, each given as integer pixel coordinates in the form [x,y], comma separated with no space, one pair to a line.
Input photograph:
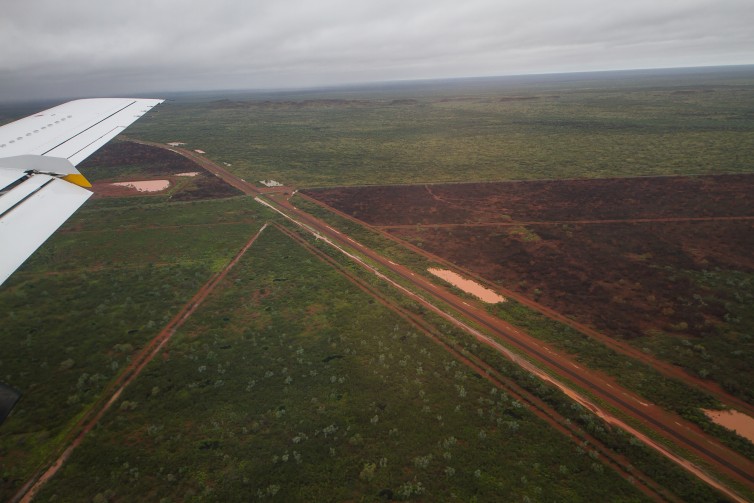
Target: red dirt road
[138,363]
[654,419]
[210,166]
[608,391]
[537,406]
[664,367]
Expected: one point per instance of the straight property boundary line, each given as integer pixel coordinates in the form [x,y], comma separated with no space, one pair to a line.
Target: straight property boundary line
[649,418]
[514,223]
[665,368]
[114,390]
[528,180]
[617,462]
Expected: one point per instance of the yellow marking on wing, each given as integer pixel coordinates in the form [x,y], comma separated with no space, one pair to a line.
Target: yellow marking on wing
[77,179]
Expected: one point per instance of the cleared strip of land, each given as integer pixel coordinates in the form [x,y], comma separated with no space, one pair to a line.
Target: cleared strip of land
[138,363]
[688,435]
[725,460]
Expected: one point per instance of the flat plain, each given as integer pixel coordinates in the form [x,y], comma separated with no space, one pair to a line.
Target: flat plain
[546,127]
[662,262]
[291,382]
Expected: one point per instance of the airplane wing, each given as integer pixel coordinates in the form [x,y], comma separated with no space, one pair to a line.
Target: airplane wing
[40,186]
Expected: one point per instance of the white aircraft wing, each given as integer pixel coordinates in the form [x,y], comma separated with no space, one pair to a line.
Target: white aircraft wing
[39,184]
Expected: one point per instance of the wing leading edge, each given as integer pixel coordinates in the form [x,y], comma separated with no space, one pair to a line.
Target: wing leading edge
[40,186]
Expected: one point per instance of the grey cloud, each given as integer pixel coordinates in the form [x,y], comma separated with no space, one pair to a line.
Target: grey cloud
[50,48]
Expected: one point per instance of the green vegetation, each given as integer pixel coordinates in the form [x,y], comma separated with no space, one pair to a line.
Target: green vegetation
[725,357]
[388,248]
[89,299]
[667,473]
[474,130]
[635,375]
[291,384]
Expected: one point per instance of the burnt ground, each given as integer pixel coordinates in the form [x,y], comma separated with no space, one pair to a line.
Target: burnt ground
[639,258]
[603,199]
[126,161]
[623,279]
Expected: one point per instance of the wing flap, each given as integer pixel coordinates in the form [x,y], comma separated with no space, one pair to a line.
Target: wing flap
[21,191]
[46,204]
[39,184]
[9,176]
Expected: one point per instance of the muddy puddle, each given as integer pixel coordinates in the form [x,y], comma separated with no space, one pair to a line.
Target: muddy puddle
[468,286]
[145,185]
[733,420]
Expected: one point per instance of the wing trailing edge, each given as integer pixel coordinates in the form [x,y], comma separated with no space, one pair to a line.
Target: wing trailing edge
[40,187]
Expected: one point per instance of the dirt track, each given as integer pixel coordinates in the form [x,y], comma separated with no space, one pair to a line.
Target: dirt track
[651,417]
[205,163]
[665,368]
[536,405]
[138,363]
[571,222]
[602,387]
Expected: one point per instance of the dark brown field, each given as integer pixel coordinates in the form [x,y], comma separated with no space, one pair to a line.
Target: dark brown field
[622,255]
[126,161]
[546,201]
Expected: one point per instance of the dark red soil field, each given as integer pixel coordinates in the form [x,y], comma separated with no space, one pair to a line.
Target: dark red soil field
[603,199]
[155,163]
[624,279]
[205,186]
[629,257]
[125,153]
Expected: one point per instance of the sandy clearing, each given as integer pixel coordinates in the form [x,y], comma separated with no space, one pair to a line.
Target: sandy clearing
[733,420]
[468,286]
[145,185]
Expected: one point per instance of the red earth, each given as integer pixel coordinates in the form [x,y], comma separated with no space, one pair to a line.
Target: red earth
[618,254]
[157,163]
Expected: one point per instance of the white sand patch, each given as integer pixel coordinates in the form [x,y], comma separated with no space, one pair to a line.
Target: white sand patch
[199,151]
[468,286]
[176,143]
[733,420]
[188,173]
[145,185]
[270,183]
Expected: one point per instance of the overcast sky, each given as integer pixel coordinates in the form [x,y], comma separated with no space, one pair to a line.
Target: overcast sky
[63,48]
